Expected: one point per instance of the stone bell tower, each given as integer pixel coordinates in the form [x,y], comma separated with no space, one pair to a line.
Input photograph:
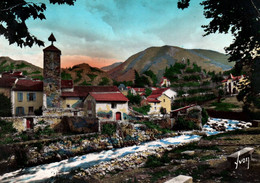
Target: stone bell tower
[52,77]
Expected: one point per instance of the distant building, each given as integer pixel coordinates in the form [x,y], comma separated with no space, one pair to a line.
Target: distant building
[230,84]
[106,106]
[138,91]
[165,82]
[161,98]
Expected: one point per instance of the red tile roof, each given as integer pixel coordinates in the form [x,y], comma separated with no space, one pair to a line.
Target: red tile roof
[155,94]
[139,89]
[66,84]
[83,91]
[159,91]
[109,96]
[7,82]
[153,100]
[163,80]
[12,75]
[51,48]
[28,85]
[234,78]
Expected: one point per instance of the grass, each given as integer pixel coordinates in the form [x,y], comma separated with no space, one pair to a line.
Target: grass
[193,146]
[36,72]
[207,157]
[40,77]
[152,125]
[235,132]
[223,106]
[158,175]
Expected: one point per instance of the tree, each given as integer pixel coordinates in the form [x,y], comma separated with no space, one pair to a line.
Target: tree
[5,106]
[13,16]
[104,81]
[244,26]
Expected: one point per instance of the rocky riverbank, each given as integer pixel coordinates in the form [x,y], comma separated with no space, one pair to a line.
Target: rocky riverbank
[35,153]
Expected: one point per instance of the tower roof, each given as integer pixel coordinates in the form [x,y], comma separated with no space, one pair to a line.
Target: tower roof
[52,47]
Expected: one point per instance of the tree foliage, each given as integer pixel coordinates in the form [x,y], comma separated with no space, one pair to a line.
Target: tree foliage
[141,81]
[5,106]
[13,16]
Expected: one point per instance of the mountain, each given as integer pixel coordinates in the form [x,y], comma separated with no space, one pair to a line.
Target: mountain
[83,74]
[157,59]
[8,64]
[109,67]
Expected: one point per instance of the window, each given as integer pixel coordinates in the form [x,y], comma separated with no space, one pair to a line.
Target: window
[19,111]
[31,96]
[113,105]
[75,113]
[163,100]
[68,105]
[20,97]
[30,110]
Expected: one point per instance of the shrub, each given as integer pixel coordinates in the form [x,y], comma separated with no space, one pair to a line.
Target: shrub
[108,129]
[183,124]
[144,109]
[134,99]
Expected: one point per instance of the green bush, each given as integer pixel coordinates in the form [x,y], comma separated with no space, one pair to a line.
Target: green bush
[134,99]
[154,161]
[183,124]
[144,109]
[152,125]
[108,129]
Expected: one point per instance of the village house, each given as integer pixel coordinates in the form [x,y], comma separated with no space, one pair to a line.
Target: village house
[165,82]
[161,98]
[26,97]
[230,84]
[108,106]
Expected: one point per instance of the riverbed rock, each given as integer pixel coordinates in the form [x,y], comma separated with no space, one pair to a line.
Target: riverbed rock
[189,153]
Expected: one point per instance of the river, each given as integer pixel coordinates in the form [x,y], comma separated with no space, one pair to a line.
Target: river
[43,172]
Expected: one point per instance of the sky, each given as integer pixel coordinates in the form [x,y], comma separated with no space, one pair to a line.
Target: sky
[101,32]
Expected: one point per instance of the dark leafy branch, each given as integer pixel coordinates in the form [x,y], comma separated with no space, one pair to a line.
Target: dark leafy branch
[13,16]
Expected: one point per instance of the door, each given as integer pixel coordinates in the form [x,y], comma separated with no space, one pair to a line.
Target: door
[28,123]
[118,116]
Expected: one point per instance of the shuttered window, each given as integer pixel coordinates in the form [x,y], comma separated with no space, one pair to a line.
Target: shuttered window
[31,96]
[20,97]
